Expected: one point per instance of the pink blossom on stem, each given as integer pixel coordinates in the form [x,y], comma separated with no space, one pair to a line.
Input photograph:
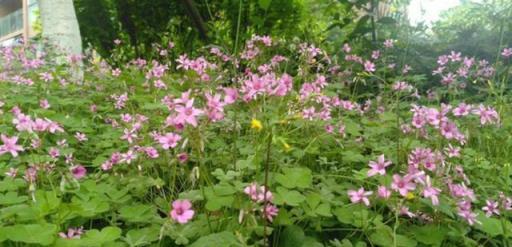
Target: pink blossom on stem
[78,171]
[402,185]
[182,211]
[379,166]
[169,140]
[9,145]
[369,66]
[383,192]
[507,52]
[270,211]
[360,195]
[491,207]
[187,113]
[431,192]
[81,137]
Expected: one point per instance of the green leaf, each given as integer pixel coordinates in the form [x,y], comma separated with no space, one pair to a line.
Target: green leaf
[97,238]
[489,225]
[324,210]
[264,4]
[217,202]
[9,184]
[295,178]
[137,213]
[31,234]
[292,236]
[92,207]
[429,234]
[382,237]
[143,236]
[226,239]
[22,211]
[288,197]
[46,202]
[11,198]
[344,215]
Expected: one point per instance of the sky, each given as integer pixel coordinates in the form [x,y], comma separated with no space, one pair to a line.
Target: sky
[428,10]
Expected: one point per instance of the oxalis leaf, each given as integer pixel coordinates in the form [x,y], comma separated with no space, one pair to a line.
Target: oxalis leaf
[264,4]
[489,225]
[288,197]
[30,234]
[429,234]
[95,237]
[295,178]
[137,213]
[226,239]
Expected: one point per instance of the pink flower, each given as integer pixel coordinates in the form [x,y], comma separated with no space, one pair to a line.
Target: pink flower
[461,110]
[78,171]
[401,86]
[13,172]
[346,48]
[9,145]
[39,125]
[452,151]
[369,66]
[487,114]
[182,157]
[383,192]
[491,208]
[46,77]
[402,185]
[378,167]
[257,193]
[187,113]
[388,43]
[126,117]
[81,137]
[116,72]
[129,135]
[73,233]
[128,157]
[231,95]
[151,152]
[431,192]
[270,211]
[54,152]
[360,196]
[23,122]
[406,212]
[182,211]
[44,104]
[507,52]
[469,216]
[169,140]
[375,54]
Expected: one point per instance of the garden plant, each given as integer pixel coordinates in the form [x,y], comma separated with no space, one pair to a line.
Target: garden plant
[279,144]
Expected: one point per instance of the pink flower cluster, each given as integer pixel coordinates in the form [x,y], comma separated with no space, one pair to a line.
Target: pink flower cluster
[72,233]
[260,194]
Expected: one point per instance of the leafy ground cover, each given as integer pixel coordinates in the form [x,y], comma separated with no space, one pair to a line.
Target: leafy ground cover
[280,145]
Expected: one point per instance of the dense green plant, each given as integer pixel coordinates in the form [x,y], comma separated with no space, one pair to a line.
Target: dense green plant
[296,148]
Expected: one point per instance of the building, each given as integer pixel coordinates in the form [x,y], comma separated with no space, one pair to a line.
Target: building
[17,18]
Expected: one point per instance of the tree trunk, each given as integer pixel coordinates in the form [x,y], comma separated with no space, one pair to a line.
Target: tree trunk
[60,29]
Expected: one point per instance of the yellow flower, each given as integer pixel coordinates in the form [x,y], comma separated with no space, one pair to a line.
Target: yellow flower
[256,124]
[287,147]
[409,196]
